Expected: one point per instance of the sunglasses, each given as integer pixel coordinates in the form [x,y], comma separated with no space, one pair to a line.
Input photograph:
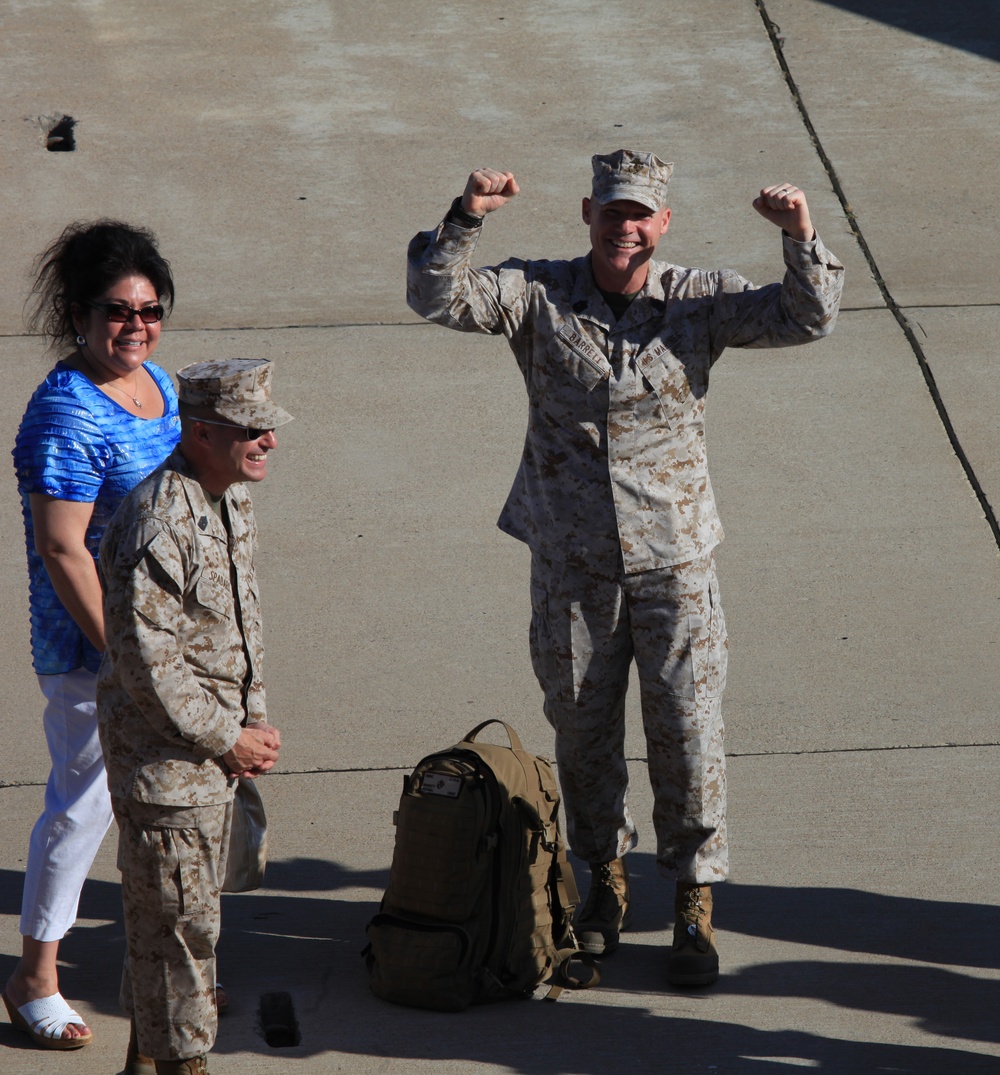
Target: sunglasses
[251,432]
[120,313]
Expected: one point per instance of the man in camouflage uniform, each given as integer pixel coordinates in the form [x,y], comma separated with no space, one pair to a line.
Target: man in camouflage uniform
[181,704]
[614,500]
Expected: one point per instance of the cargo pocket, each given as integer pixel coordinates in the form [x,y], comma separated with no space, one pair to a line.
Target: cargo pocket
[718,644]
[554,676]
[187,878]
[160,869]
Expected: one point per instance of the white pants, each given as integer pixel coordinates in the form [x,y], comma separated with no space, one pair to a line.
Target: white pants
[77,810]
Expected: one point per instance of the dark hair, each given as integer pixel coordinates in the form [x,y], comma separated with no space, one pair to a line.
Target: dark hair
[86,260]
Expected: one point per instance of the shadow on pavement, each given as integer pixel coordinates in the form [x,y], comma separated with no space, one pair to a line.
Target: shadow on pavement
[310,945]
[973,26]
[954,932]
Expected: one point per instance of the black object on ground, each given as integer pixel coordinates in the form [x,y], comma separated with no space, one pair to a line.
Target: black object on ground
[278,1022]
[60,138]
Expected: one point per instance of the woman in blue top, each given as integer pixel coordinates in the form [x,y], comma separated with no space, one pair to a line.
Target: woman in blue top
[101,420]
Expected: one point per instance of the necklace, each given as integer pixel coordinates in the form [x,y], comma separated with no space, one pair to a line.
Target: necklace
[108,384]
[135,387]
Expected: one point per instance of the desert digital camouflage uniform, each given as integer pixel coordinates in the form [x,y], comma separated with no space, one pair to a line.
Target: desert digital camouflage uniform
[173,862]
[181,672]
[613,498]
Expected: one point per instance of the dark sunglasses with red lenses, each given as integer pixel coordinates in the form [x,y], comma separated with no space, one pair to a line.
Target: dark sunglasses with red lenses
[120,313]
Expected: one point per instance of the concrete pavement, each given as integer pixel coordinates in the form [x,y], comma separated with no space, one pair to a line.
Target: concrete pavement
[285,152]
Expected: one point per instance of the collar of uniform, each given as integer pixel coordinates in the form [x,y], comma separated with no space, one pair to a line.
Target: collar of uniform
[588,302]
[206,519]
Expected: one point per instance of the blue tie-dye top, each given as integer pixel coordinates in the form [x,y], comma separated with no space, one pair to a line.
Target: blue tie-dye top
[76,443]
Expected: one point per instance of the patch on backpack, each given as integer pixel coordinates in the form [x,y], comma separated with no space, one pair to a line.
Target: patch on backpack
[445,784]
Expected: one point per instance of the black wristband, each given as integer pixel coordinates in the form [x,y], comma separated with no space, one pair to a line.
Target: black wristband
[457,215]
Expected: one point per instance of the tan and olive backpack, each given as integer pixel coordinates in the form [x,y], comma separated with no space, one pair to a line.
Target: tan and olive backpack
[481,896]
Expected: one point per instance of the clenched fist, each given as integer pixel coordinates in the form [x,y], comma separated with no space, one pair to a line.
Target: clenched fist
[785,205]
[488,189]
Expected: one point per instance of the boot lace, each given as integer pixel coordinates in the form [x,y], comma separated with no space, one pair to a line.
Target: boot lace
[690,908]
[602,900]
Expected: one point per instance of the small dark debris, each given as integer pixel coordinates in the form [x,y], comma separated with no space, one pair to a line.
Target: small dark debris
[278,1022]
[60,137]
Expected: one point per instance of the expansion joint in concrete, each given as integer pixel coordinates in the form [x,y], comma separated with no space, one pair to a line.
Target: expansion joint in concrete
[777,43]
[9,785]
[860,750]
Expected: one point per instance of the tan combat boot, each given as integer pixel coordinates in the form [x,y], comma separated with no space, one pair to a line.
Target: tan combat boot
[693,959]
[606,912]
[197,1065]
[135,1062]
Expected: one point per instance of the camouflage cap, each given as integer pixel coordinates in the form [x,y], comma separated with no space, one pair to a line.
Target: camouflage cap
[629,176]
[238,389]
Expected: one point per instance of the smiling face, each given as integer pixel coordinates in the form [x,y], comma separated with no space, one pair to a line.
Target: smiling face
[248,458]
[623,237]
[228,456]
[119,348]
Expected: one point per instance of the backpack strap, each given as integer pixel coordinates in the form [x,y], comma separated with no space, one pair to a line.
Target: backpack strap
[569,894]
[564,976]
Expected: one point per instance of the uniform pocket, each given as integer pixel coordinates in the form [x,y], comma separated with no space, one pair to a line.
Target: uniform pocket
[172,871]
[717,657]
[579,357]
[556,685]
[213,592]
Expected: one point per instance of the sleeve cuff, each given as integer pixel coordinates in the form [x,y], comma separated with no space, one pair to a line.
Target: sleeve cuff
[806,254]
[457,215]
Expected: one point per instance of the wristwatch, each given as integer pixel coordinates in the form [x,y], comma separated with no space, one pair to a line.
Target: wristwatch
[457,215]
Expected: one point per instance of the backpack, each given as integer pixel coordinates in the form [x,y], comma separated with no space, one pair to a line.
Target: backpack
[481,896]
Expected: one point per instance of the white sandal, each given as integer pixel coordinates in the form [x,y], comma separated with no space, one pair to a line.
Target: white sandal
[44,1021]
